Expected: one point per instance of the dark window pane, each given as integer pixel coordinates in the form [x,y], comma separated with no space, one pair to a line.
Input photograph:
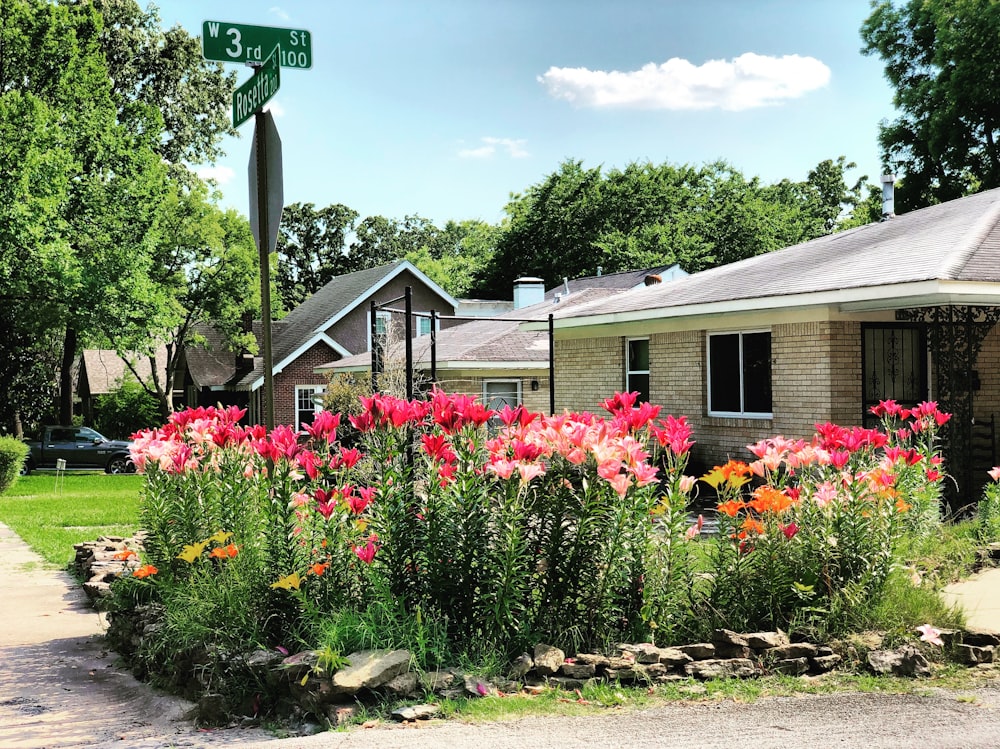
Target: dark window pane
[640,383]
[724,372]
[757,372]
[638,356]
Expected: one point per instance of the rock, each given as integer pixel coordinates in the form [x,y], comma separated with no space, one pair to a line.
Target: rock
[476,686]
[632,673]
[980,637]
[534,689]
[674,657]
[211,710]
[791,666]
[568,683]
[416,712]
[402,686]
[728,637]
[644,652]
[721,669]
[698,651]
[727,651]
[341,715]
[370,669]
[973,655]
[298,665]
[765,640]
[616,663]
[792,650]
[578,670]
[548,659]
[825,662]
[904,661]
[437,681]
[599,661]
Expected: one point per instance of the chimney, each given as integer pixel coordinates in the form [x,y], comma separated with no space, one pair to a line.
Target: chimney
[888,198]
[528,291]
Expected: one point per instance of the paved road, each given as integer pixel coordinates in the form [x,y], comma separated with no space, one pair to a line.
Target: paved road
[60,688]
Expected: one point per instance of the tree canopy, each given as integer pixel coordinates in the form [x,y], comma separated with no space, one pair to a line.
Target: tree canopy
[577,220]
[942,57]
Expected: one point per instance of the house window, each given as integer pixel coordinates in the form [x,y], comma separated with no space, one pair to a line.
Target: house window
[637,369]
[306,405]
[894,362]
[382,320]
[423,326]
[739,374]
[500,393]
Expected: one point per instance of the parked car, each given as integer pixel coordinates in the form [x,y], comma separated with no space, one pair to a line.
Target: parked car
[80,447]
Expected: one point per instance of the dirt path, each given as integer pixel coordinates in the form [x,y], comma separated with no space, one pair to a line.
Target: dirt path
[59,687]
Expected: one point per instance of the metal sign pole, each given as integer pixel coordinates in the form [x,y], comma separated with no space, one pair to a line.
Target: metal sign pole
[265,267]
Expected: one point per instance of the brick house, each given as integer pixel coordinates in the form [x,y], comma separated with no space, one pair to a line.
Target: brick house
[904,309]
[333,323]
[494,359]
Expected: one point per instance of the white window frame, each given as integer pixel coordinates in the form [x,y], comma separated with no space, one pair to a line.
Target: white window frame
[422,320]
[742,413]
[314,390]
[630,372]
[505,380]
[380,314]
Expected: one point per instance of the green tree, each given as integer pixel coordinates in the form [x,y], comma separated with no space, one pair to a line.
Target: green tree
[461,250]
[311,250]
[942,57]
[577,220]
[203,271]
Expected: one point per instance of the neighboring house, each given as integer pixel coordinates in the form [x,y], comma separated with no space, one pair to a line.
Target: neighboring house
[102,371]
[334,322]
[493,358]
[903,309]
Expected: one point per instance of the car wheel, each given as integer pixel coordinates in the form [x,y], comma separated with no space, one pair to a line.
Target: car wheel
[120,464]
[26,468]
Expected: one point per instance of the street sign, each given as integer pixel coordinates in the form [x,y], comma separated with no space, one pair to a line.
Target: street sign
[270,172]
[253,94]
[240,42]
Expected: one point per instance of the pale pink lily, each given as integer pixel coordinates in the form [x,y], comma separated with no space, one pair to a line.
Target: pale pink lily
[929,634]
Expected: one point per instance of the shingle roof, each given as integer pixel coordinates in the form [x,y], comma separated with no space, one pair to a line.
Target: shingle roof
[620,281]
[490,340]
[105,370]
[954,241]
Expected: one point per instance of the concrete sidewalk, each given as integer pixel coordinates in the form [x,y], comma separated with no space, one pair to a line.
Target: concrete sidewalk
[60,687]
[979,597]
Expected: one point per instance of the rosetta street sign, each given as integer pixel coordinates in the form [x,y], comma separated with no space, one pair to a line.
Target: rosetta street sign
[240,42]
[253,94]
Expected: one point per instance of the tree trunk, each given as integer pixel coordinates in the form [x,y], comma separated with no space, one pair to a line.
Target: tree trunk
[66,376]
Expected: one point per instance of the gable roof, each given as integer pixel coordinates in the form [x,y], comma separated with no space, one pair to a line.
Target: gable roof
[620,281]
[943,254]
[305,326]
[496,342]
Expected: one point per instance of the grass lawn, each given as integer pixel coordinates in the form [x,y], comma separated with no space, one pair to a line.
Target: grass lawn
[52,516]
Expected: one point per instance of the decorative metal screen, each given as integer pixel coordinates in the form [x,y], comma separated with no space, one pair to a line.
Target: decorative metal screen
[894,358]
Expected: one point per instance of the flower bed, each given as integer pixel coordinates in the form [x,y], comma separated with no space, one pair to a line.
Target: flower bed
[457,532]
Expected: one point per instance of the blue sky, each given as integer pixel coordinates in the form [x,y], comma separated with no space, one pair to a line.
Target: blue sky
[442,108]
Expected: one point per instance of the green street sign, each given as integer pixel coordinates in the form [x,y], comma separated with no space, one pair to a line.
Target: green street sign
[256,92]
[240,42]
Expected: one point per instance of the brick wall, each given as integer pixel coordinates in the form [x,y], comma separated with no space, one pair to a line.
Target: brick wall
[816,376]
[299,372]
[588,370]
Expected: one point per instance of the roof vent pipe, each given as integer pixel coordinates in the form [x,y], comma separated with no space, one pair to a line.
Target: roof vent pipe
[566,285]
[888,196]
[599,270]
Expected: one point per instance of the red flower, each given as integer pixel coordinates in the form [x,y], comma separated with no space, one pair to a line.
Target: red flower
[367,552]
[789,530]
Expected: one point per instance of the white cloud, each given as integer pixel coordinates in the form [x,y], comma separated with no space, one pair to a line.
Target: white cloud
[747,81]
[515,148]
[274,10]
[221,174]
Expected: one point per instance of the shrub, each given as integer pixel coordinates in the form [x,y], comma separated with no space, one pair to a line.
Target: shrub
[988,514]
[125,410]
[13,454]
